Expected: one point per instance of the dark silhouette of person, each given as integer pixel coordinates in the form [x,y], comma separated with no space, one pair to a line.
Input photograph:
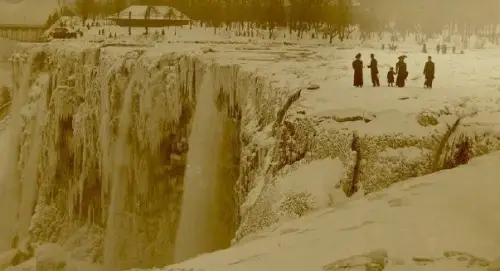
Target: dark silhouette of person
[424,48]
[444,49]
[390,77]
[438,49]
[357,65]
[374,71]
[401,71]
[429,72]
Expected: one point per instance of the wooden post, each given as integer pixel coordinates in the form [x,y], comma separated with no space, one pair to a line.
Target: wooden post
[129,22]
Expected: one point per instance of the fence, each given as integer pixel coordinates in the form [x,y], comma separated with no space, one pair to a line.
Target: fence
[24,33]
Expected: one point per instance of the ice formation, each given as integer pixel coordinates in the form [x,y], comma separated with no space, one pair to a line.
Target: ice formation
[133,157]
[199,213]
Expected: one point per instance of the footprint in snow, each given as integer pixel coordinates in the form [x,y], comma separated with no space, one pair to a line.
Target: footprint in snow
[398,202]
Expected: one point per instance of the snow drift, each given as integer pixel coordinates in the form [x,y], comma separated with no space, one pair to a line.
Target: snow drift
[104,141]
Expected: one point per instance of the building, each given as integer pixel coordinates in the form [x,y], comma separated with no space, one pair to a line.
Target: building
[25,20]
[149,16]
[24,33]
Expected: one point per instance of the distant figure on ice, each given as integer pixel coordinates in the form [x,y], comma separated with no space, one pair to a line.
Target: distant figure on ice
[401,71]
[390,77]
[357,65]
[374,71]
[424,48]
[429,70]
[438,49]
[444,49]
[454,49]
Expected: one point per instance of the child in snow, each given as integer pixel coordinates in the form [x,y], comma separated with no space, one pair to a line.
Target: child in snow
[390,77]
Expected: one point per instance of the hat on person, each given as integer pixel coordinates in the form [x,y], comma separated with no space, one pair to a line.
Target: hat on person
[358,55]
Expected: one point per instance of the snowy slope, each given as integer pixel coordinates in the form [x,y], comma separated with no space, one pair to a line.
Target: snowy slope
[444,221]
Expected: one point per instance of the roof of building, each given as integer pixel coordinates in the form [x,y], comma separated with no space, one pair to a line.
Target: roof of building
[26,12]
[156,13]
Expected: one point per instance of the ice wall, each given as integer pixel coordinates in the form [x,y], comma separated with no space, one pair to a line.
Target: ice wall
[98,139]
[104,140]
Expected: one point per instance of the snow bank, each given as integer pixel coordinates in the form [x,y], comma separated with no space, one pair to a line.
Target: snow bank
[103,132]
[442,221]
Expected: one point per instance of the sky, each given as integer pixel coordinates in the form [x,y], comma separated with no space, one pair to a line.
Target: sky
[29,12]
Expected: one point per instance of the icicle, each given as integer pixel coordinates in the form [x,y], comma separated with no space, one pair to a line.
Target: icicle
[10,178]
[29,176]
[105,140]
[120,180]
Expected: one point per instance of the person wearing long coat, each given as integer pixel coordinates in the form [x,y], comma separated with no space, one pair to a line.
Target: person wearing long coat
[429,72]
[357,65]
[374,71]
[401,71]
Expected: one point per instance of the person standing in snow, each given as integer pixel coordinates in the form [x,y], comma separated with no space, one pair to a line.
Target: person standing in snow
[438,48]
[357,65]
[429,70]
[401,71]
[374,71]
[390,77]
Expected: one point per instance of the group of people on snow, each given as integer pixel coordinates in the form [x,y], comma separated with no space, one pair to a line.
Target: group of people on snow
[442,49]
[398,76]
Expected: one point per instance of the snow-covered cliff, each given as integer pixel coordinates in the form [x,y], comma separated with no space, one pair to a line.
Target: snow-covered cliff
[103,141]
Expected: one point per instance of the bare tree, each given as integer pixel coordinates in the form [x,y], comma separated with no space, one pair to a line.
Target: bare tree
[85,9]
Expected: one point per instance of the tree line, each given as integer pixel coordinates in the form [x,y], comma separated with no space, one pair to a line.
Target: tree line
[329,18]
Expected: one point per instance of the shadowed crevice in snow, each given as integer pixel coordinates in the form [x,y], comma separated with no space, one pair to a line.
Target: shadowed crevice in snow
[282,112]
[354,184]
[436,164]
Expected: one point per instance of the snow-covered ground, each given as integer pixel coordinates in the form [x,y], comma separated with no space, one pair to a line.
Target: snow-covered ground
[459,77]
[442,221]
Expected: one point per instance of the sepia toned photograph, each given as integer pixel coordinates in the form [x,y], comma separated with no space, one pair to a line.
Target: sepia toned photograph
[249,135]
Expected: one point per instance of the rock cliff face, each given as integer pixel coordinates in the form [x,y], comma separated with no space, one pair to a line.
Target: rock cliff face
[98,136]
